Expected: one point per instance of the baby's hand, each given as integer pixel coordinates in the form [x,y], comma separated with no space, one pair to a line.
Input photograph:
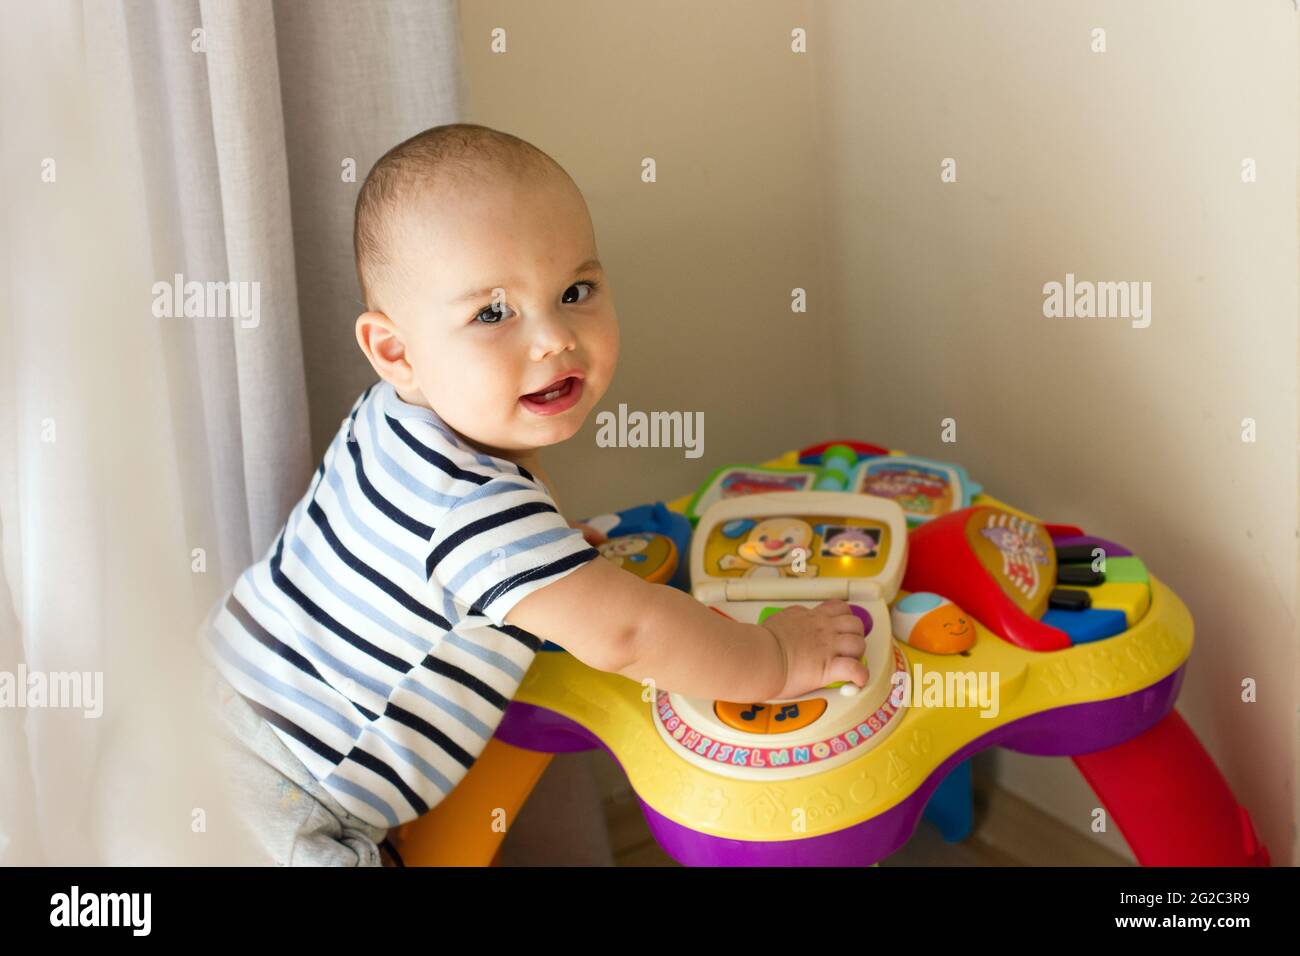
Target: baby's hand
[592,535]
[822,644]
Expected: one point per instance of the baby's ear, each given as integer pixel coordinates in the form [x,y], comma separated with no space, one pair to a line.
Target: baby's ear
[381,342]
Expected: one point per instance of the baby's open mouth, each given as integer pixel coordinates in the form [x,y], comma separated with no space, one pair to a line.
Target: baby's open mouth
[555,392]
[555,398]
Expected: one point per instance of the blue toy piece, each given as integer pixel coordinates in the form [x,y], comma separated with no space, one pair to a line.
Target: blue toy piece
[951,807]
[658,519]
[1089,624]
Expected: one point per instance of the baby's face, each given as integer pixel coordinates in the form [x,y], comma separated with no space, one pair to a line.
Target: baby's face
[491,371]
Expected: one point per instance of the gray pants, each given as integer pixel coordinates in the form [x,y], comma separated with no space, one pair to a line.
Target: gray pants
[291,818]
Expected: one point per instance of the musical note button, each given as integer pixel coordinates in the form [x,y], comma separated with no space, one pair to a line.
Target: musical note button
[751,718]
[790,711]
[796,716]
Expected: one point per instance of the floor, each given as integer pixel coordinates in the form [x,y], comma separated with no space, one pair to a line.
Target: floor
[553,828]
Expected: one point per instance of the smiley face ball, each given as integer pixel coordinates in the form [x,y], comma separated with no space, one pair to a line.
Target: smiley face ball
[930,622]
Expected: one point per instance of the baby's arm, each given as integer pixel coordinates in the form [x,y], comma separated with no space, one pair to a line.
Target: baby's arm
[614,621]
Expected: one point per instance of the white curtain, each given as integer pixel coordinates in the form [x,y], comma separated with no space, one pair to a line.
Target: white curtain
[145,461]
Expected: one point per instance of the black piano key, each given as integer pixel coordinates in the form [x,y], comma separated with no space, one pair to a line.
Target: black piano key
[1067,599]
[1077,553]
[1079,574]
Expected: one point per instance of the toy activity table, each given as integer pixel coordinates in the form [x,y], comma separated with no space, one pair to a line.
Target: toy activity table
[1084,648]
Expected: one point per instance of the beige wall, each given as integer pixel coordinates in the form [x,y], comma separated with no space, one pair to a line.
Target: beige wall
[821,171]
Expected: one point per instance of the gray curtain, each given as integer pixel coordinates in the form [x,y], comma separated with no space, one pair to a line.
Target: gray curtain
[145,461]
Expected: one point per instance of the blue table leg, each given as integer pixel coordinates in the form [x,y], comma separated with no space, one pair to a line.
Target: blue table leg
[950,807]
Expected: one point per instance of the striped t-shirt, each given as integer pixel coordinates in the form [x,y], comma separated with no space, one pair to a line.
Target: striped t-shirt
[372,635]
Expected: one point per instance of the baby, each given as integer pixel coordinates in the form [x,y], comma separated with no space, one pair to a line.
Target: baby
[368,657]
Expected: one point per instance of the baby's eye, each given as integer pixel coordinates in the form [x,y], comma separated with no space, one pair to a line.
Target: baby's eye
[494,314]
[590,285]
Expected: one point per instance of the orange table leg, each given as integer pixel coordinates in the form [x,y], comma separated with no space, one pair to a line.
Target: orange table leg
[463,830]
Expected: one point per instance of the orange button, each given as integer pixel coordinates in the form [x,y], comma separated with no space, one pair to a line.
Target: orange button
[796,715]
[751,718]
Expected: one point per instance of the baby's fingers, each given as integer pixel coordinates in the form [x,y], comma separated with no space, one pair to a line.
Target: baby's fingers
[833,608]
[848,624]
[850,645]
[846,669]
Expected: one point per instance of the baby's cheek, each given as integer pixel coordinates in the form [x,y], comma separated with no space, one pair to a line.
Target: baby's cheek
[469,376]
[603,336]
[602,350]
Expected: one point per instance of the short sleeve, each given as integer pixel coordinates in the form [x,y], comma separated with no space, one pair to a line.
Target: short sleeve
[500,543]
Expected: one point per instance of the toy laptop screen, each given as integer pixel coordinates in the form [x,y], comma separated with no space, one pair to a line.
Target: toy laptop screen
[797,546]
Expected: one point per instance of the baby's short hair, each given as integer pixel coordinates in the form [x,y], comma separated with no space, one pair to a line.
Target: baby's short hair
[461,153]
